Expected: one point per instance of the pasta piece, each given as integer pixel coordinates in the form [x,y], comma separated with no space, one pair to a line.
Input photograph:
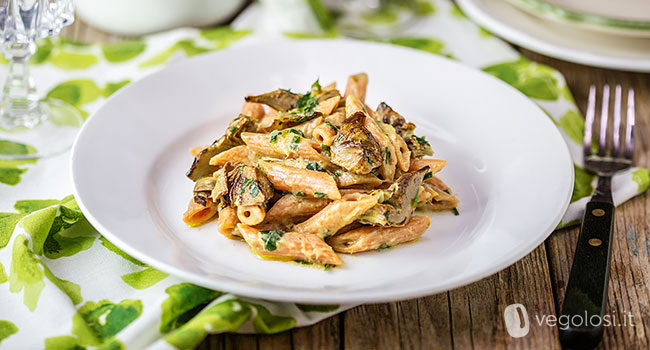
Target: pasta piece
[371,237]
[324,134]
[196,150]
[253,110]
[389,160]
[250,214]
[289,245]
[329,87]
[309,182]
[401,148]
[442,197]
[307,128]
[327,107]
[286,144]
[198,214]
[239,154]
[348,179]
[337,214]
[354,105]
[435,165]
[290,207]
[357,85]
[336,118]
[227,221]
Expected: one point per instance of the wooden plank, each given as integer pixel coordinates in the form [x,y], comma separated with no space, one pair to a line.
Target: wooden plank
[280,341]
[323,335]
[629,290]
[374,326]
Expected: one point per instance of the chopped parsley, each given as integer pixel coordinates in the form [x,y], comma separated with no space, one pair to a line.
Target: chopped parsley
[306,104]
[368,160]
[314,166]
[295,142]
[274,136]
[455,211]
[421,140]
[428,175]
[387,156]
[446,191]
[320,194]
[386,215]
[338,173]
[298,132]
[303,262]
[327,267]
[316,85]
[247,183]
[325,147]
[271,239]
[384,246]
[232,129]
[299,194]
[332,125]
[416,199]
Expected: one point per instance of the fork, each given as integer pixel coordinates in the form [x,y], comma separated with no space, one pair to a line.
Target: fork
[586,293]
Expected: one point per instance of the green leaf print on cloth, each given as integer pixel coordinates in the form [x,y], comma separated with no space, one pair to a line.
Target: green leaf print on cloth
[228,316]
[425,44]
[96,323]
[123,50]
[26,273]
[7,329]
[642,179]
[573,126]
[533,79]
[583,186]
[184,302]
[10,173]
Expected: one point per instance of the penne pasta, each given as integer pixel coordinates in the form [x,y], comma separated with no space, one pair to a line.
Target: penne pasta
[253,110]
[198,214]
[290,207]
[308,182]
[250,214]
[337,214]
[289,245]
[357,85]
[435,165]
[298,176]
[371,237]
[240,154]
[324,134]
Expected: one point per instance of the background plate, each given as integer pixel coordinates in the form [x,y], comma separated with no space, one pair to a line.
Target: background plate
[507,162]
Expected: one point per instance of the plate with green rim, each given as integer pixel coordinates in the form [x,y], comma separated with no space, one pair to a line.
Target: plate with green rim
[626,18]
[507,162]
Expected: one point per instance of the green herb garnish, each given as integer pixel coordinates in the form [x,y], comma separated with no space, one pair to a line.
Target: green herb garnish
[387,156]
[247,183]
[316,86]
[314,166]
[299,194]
[368,160]
[325,147]
[298,132]
[254,189]
[271,239]
[320,194]
[455,211]
[428,175]
[446,191]
[327,267]
[384,246]
[421,140]
[295,142]
[416,199]
[332,125]
[274,136]
[303,262]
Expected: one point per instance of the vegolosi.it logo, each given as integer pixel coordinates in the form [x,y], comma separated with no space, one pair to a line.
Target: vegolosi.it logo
[516,319]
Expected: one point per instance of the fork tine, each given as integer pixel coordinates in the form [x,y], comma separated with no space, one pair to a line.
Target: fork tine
[604,113]
[629,129]
[617,122]
[589,120]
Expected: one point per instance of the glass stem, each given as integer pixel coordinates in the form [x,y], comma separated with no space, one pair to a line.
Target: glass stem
[19,97]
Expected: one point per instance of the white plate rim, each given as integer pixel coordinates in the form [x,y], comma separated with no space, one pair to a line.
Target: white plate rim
[531,42]
[296,297]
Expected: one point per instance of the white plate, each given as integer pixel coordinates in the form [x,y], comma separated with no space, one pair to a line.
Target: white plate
[507,162]
[559,40]
[621,23]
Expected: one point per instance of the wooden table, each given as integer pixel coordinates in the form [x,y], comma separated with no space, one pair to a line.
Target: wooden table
[471,317]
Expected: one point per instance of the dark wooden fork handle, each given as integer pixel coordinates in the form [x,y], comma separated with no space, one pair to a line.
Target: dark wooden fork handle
[586,294]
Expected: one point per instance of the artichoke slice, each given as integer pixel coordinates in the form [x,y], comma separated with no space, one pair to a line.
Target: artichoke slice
[249,186]
[281,100]
[355,149]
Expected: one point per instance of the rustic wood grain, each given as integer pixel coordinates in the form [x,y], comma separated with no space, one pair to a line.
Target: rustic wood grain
[470,317]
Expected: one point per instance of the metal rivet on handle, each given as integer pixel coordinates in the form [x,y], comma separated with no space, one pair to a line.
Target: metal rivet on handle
[598,212]
[595,242]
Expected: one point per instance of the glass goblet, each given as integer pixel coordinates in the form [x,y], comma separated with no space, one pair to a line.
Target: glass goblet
[32,128]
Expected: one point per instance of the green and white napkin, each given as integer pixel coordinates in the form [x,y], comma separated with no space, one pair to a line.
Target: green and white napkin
[63,286]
